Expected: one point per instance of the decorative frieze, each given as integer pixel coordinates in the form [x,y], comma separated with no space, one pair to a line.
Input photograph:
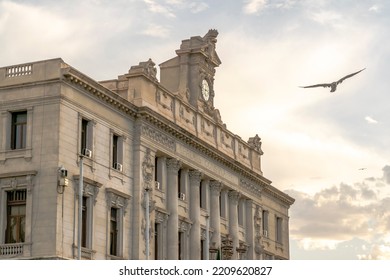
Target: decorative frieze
[158,137]
[251,187]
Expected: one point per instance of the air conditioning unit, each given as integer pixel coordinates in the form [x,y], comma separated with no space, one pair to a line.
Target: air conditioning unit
[157,185]
[87,153]
[118,166]
[265,233]
[182,196]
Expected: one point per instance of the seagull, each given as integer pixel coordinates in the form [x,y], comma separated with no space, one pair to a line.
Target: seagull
[333,85]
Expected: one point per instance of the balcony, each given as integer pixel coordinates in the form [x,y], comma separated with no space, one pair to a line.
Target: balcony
[12,250]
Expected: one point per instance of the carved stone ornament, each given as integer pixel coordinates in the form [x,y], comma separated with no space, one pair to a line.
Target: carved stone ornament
[117,201]
[158,137]
[195,176]
[147,169]
[215,187]
[173,165]
[148,68]
[255,143]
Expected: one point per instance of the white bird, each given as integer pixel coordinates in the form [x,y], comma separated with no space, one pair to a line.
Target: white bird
[333,86]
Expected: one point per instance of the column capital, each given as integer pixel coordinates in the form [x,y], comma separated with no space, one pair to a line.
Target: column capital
[173,165]
[215,187]
[195,176]
[234,196]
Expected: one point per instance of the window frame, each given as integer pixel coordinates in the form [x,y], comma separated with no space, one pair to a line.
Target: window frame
[19,130]
[119,201]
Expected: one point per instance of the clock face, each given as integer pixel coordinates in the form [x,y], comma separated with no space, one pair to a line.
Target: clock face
[205,90]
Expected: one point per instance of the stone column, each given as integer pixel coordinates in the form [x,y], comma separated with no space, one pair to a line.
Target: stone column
[249,229]
[161,172]
[173,166]
[233,220]
[195,177]
[215,218]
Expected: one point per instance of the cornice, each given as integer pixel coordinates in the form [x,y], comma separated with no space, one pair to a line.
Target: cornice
[80,80]
[87,84]
[179,133]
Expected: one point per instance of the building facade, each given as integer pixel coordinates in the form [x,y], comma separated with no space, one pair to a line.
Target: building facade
[131,168]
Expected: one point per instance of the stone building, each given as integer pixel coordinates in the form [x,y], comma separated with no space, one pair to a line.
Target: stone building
[161,175]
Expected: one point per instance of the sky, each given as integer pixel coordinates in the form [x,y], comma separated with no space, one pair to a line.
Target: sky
[330,151]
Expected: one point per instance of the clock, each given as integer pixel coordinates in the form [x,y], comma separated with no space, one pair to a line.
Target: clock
[205,90]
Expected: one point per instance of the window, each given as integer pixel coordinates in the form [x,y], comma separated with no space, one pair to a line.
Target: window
[84,221]
[117,152]
[16,216]
[180,244]
[84,132]
[157,234]
[202,251]
[201,200]
[223,204]
[179,185]
[86,136]
[19,130]
[114,232]
[241,212]
[115,148]
[279,230]
[265,222]
[116,209]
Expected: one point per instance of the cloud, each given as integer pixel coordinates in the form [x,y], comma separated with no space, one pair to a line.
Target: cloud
[375,9]
[155,30]
[254,6]
[157,8]
[370,120]
[339,214]
[386,174]
[196,7]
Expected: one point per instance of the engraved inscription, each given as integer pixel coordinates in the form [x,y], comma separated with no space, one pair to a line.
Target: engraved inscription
[206,165]
[158,137]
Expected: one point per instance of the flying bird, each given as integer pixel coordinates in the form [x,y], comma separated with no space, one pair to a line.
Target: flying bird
[333,86]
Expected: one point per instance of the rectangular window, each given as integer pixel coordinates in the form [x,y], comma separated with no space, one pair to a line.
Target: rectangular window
[115,149]
[179,186]
[16,216]
[200,196]
[241,212]
[157,234]
[180,244]
[202,245]
[19,130]
[84,221]
[265,222]
[84,135]
[279,230]
[117,152]
[114,232]
[223,204]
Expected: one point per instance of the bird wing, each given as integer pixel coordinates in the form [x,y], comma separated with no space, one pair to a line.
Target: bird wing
[349,76]
[318,85]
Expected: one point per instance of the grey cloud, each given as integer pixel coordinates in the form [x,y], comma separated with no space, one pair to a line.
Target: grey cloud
[386,174]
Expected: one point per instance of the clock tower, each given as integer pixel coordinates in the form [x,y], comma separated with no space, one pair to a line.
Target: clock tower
[191,73]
